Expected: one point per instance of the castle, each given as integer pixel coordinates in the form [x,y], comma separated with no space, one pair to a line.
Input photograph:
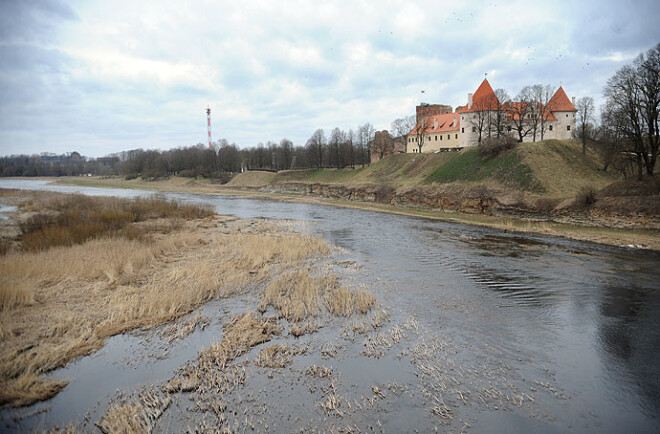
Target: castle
[439,128]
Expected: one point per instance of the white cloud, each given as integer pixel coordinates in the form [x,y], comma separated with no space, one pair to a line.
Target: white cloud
[107,75]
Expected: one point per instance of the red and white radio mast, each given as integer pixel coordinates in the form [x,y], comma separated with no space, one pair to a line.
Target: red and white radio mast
[208,118]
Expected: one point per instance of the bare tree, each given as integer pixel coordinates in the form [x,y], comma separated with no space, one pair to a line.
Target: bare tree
[334,145]
[585,108]
[365,135]
[350,139]
[633,95]
[419,130]
[286,149]
[542,96]
[521,113]
[612,143]
[382,144]
[316,143]
[500,119]
[403,126]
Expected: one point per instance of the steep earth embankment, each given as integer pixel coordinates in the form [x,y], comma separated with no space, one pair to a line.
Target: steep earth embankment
[548,179]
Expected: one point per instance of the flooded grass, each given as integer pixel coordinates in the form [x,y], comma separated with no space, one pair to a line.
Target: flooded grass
[300,294]
[61,303]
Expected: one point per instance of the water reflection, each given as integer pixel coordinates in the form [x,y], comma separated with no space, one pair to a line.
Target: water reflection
[629,338]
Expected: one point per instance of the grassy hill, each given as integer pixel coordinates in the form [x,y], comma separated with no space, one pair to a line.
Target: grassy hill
[551,168]
[396,170]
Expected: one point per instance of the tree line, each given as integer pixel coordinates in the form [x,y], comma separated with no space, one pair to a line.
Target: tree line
[339,149]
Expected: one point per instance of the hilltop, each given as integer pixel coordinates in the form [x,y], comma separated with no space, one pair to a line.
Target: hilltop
[551,168]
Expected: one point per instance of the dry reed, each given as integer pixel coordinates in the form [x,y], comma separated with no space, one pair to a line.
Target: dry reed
[61,303]
[278,356]
[136,416]
[298,295]
[240,334]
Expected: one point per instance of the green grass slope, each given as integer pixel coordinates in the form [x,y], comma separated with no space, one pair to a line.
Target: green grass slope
[508,169]
[551,168]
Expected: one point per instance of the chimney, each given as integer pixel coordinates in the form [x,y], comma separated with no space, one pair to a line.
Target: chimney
[573,98]
[469,101]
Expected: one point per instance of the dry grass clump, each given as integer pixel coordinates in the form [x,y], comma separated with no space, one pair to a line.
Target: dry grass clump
[278,356]
[74,219]
[298,295]
[281,247]
[586,197]
[241,333]
[318,371]
[298,329]
[137,416]
[183,329]
[341,301]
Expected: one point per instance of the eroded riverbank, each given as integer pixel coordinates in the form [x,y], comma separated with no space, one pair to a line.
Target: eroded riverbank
[612,230]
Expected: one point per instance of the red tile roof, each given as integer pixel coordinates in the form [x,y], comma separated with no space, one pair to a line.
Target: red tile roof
[560,102]
[440,123]
[483,99]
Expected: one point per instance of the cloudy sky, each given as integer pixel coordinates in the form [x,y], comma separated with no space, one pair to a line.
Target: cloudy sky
[104,76]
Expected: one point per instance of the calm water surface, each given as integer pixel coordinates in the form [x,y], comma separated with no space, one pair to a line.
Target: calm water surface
[583,317]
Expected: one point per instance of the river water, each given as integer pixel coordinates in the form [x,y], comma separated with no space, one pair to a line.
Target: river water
[573,327]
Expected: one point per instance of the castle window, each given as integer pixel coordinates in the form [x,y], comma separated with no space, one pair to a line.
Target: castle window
[463,130]
[436,137]
[550,128]
[456,136]
[448,136]
[568,127]
[566,114]
[440,137]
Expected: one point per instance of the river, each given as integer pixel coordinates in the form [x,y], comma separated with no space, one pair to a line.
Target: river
[572,327]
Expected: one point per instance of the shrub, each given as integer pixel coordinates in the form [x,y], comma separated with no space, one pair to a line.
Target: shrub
[79,218]
[586,197]
[490,148]
[130,176]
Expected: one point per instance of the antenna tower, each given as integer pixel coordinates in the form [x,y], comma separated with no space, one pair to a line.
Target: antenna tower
[208,118]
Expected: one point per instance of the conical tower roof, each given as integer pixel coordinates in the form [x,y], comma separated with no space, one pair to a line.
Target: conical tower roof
[560,102]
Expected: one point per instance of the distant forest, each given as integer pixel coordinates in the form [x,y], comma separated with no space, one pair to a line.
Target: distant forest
[341,149]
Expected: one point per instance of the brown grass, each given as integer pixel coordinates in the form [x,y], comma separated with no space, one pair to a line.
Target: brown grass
[278,356]
[240,334]
[61,303]
[65,220]
[135,416]
[298,295]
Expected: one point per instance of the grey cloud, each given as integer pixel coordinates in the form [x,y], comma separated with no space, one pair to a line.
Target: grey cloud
[612,26]
[32,20]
